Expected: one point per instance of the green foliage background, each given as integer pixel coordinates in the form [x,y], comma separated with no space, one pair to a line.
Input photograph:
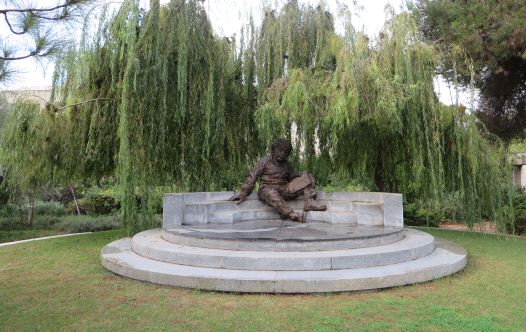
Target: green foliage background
[155,98]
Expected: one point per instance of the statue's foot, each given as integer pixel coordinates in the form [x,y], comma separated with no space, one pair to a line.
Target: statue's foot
[295,216]
[312,207]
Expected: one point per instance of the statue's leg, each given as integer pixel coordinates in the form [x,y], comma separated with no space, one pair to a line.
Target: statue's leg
[305,184]
[272,197]
[314,195]
[309,195]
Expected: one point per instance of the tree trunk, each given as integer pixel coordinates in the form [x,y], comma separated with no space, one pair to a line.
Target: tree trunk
[75,199]
[30,212]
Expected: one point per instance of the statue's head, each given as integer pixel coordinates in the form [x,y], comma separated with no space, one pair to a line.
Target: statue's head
[281,149]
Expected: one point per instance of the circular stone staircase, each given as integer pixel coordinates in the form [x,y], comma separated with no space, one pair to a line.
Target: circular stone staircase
[208,242]
[271,260]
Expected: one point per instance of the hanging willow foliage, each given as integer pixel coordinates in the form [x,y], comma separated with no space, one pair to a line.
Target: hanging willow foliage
[155,98]
[158,100]
[182,116]
[372,109]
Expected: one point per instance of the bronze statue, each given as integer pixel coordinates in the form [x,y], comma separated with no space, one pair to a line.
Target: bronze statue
[278,184]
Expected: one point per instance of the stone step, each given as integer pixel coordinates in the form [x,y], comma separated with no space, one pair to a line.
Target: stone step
[277,235]
[414,245]
[447,258]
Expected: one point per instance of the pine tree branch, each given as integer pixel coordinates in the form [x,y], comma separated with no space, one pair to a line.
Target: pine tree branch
[11,27]
[29,55]
[34,10]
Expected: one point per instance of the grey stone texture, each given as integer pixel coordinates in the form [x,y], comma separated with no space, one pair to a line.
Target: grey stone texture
[278,235]
[414,245]
[362,208]
[446,259]
[208,242]
[173,207]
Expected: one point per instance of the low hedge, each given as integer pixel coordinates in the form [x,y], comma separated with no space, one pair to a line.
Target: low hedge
[94,204]
[79,224]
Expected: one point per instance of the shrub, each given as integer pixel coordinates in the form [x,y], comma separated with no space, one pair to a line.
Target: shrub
[45,221]
[62,195]
[12,223]
[448,208]
[9,211]
[79,224]
[451,207]
[422,213]
[20,222]
[344,182]
[4,193]
[50,208]
[519,209]
[94,204]
[157,199]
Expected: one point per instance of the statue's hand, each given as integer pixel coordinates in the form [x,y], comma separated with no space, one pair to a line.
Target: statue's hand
[238,198]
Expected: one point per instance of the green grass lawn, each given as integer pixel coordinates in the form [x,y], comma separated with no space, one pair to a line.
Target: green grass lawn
[59,284]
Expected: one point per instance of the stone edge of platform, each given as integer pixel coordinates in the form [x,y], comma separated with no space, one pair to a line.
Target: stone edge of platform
[285,245]
[414,245]
[250,285]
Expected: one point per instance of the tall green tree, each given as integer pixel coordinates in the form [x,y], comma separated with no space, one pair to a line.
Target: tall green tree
[368,112]
[4,109]
[493,35]
[157,99]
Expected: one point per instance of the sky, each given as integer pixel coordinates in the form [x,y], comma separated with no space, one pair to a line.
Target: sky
[227,18]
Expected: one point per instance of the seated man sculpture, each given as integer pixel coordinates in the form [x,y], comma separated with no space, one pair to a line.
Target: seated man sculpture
[278,184]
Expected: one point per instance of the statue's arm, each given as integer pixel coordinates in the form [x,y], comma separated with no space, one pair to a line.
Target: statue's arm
[250,181]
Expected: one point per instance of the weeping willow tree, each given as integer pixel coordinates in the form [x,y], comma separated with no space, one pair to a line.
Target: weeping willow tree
[367,111]
[155,98]
[87,88]
[29,152]
[183,117]
[160,100]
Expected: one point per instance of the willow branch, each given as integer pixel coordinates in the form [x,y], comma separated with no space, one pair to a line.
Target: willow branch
[84,102]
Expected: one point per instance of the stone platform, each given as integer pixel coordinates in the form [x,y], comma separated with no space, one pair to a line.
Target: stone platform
[278,235]
[270,255]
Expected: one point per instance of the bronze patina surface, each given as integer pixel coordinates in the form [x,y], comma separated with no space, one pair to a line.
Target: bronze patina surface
[279,184]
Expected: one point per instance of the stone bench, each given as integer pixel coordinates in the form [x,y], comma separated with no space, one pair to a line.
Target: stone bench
[360,208]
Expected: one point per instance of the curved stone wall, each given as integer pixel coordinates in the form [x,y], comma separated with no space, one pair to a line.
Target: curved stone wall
[361,208]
